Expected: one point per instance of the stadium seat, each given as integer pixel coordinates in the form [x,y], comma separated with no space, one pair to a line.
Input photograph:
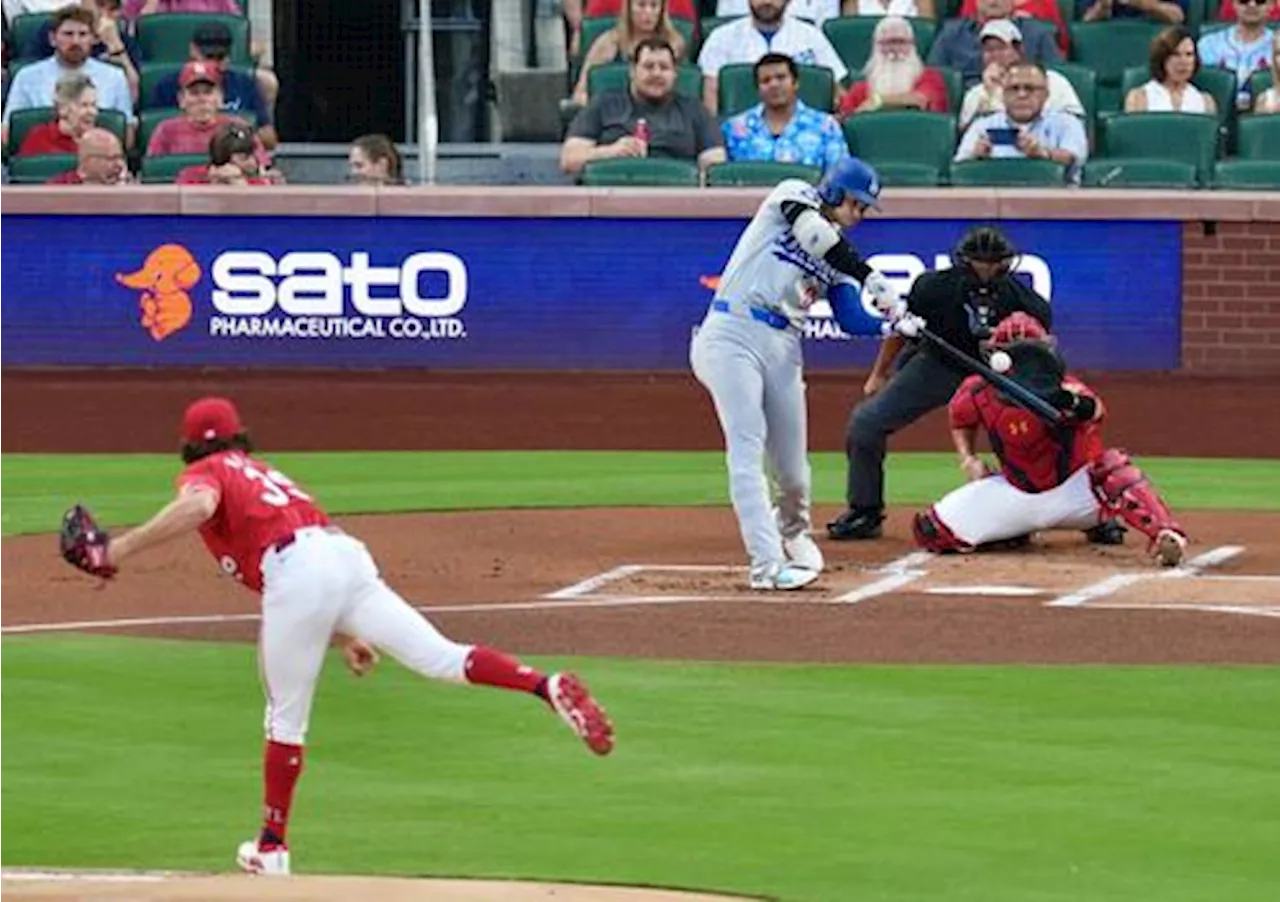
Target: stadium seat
[893,137]
[149,119]
[737,88]
[617,77]
[22,121]
[1259,83]
[851,37]
[1085,82]
[908,175]
[37,170]
[954,79]
[761,173]
[1258,138]
[1259,175]
[23,32]
[595,26]
[166,37]
[1218,83]
[1008,173]
[1109,47]
[1188,137]
[709,24]
[642,171]
[1137,172]
[163,170]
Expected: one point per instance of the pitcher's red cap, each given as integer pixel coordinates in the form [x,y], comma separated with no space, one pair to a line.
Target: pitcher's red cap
[209,419]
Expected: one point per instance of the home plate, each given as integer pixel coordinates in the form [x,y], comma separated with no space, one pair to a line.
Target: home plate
[1005,591]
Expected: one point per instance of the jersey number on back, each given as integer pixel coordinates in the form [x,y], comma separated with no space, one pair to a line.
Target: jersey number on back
[277,489]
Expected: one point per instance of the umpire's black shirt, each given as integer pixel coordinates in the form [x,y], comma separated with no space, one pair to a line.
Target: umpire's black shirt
[957,310]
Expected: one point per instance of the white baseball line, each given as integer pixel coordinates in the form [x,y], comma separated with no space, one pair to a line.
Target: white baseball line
[1174,606]
[1000,591]
[898,572]
[591,583]
[1112,584]
[1211,558]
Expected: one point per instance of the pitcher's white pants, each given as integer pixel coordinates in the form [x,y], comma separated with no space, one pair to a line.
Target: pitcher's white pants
[991,509]
[324,583]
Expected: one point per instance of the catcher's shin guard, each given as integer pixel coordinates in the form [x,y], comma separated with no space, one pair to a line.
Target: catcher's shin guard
[932,534]
[1125,491]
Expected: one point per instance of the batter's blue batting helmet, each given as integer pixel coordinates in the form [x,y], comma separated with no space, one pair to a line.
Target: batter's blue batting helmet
[850,176]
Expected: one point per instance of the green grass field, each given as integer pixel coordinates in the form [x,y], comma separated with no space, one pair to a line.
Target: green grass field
[804,783]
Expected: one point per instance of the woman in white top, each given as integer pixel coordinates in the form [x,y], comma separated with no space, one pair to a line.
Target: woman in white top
[1269,100]
[1174,62]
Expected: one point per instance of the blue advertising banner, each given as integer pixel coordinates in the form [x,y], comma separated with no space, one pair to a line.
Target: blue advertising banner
[617,294]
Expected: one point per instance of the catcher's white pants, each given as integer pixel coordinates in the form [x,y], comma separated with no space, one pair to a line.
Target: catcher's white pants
[991,509]
[327,582]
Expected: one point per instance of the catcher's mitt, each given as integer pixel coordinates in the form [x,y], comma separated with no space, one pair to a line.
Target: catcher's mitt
[84,543]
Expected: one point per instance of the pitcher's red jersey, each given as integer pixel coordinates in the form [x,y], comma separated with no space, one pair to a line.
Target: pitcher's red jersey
[1033,456]
[257,507]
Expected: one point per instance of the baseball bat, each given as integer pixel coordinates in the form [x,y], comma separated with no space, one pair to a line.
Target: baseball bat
[1016,392]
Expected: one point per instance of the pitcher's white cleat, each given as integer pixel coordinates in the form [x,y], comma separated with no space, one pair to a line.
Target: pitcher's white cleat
[804,552]
[1169,548]
[782,577]
[273,863]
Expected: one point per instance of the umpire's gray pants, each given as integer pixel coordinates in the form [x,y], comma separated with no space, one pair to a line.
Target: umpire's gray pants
[923,383]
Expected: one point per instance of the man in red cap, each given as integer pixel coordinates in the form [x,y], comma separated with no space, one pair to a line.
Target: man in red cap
[317,583]
[200,97]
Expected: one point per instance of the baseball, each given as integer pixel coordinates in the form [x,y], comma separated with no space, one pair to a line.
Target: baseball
[1001,361]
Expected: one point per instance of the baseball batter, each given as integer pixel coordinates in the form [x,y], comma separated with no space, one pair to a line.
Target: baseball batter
[317,584]
[1050,477]
[747,353]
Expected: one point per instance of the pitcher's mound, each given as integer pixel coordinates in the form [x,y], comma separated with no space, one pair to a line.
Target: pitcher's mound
[151,887]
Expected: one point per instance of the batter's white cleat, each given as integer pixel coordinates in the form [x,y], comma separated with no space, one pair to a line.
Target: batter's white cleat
[573,702]
[782,577]
[274,863]
[804,552]
[1169,548]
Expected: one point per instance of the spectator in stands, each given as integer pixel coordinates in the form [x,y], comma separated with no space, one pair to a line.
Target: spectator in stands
[240,93]
[232,160]
[114,43]
[895,76]
[34,84]
[574,13]
[100,161]
[374,160]
[135,8]
[781,127]
[1174,62]
[1172,11]
[814,11]
[910,9]
[678,126]
[959,43]
[1269,100]
[1244,49]
[1228,11]
[200,97]
[1001,48]
[15,8]
[1041,134]
[644,19]
[766,30]
[1043,10]
[75,106]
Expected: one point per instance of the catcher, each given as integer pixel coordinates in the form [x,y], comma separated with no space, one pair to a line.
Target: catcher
[1051,476]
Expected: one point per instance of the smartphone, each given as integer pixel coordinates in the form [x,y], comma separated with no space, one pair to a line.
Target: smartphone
[1007,136]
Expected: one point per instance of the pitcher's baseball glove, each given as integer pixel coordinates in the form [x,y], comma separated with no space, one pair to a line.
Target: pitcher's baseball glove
[84,543]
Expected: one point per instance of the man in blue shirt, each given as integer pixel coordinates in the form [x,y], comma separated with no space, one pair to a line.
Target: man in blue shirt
[1173,12]
[781,127]
[1244,48]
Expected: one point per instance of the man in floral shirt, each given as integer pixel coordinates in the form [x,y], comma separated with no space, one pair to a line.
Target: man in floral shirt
[781,127]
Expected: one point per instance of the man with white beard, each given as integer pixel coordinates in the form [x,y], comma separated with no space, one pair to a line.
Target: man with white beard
[895,76]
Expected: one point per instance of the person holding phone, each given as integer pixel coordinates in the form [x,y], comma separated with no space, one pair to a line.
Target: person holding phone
[1024,128]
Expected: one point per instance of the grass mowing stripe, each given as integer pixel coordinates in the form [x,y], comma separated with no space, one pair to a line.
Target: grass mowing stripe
[805,782]
[125,488]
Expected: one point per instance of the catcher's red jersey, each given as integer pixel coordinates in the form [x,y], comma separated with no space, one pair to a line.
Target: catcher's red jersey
[257,507]
[1033,456]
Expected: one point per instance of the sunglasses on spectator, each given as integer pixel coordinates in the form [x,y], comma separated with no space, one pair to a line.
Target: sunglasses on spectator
[1252,2]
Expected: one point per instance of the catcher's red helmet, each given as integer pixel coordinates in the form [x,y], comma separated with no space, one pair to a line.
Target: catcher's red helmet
[1018,327]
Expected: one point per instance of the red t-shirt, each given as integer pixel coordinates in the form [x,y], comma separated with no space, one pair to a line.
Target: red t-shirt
[1031,457]
[181,135]
[257,507]
[199,175]
[1227,12]
[71,177]
[677,9]
[47,138]
[1032,9]
[930,84]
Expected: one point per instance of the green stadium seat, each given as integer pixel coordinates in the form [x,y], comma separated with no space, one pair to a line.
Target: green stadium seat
[1188,137]
[617,77]
[759,173]
[909,175]
[1008,173]
[892,137]
[737,91]
[1085,82]
[595,26]
[23,32]
[954,79]
[851,37]
[1067,9]
[1258,138]
[1255,175]
[22,121]
[1109,47]
[709,24]
[1137,172]
[38,170]
[166,37]
[163,170]
[643,171]
[1259,84]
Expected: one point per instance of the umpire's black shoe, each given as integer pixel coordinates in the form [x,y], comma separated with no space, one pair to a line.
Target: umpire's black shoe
[1108,532]
[856,523]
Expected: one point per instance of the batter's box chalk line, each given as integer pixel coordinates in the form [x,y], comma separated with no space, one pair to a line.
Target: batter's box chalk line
[1112,584]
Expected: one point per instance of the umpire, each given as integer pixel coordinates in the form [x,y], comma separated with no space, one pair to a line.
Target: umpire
[962,305]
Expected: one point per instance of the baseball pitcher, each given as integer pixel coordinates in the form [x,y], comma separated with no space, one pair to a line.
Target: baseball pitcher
[317,584]
[747,353]
[1051,476]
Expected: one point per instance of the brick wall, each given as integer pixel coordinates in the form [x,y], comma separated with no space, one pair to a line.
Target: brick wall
[1231,298]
